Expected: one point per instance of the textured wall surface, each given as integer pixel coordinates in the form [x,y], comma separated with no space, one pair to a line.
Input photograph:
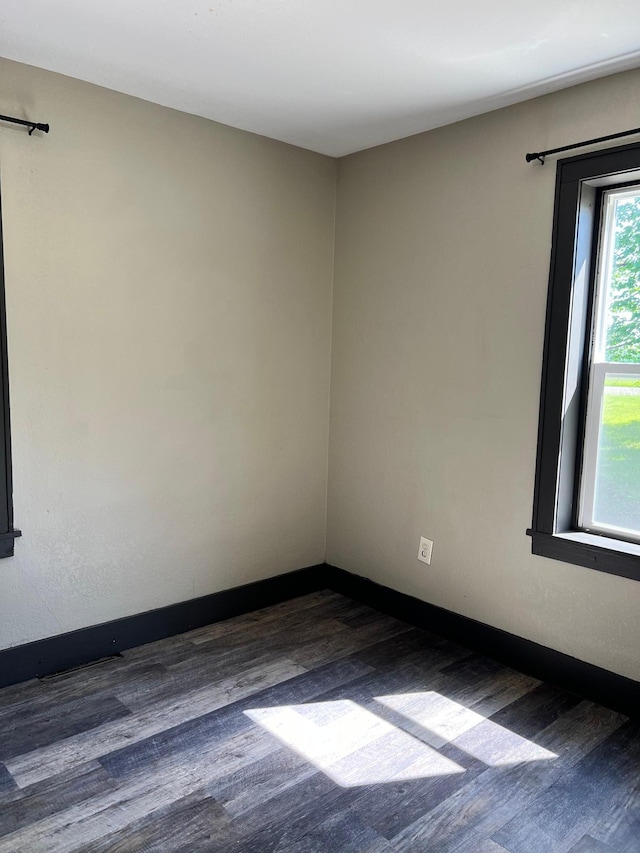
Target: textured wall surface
[169,316]
[442,259]
[169,287]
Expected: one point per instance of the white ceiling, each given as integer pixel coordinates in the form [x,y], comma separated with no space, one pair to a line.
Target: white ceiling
[334,76]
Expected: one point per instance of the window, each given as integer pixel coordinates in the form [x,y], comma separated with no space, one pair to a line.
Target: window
[7,532]
[609,500]
[587,495]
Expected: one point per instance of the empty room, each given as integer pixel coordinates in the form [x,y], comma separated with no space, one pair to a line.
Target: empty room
[320,428]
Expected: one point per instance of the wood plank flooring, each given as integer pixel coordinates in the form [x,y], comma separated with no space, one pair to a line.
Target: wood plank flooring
[314,726]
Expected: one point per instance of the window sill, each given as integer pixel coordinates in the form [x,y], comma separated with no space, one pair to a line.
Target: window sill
[590,550]
[6,542]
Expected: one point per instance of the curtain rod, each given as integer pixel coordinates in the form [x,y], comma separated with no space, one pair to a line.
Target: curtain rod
[32,125]
[540,155]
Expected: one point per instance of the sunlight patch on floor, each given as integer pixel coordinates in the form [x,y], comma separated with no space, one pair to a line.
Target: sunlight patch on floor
[351,745]
[354,746]
[444,721]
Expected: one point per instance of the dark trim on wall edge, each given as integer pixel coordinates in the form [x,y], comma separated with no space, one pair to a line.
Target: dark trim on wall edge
[54,654]
[61,652]
[592,682]
[593,554]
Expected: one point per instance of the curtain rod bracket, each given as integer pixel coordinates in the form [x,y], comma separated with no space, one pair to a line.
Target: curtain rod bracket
[30,125]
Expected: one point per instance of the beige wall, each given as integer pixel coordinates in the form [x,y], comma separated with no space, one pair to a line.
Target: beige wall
[169,316]
[442,259]
[169,311]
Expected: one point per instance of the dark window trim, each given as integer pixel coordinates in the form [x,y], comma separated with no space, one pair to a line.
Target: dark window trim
[7,532]
[579,184]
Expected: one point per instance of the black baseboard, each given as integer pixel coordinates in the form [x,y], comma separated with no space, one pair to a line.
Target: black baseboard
[64,651]
[614,691]
[55,654]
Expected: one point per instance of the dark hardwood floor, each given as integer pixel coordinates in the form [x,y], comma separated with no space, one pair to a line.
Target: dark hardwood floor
[315,725]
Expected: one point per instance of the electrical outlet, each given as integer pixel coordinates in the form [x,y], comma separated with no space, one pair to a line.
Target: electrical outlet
[425,549]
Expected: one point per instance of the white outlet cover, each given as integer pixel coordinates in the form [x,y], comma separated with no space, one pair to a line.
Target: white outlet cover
[425,549]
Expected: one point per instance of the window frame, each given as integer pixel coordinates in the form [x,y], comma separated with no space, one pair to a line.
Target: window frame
[8,533]
[580,182]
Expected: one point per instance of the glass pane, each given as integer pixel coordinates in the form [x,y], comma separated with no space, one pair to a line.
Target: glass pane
[622,274]
[617,490]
